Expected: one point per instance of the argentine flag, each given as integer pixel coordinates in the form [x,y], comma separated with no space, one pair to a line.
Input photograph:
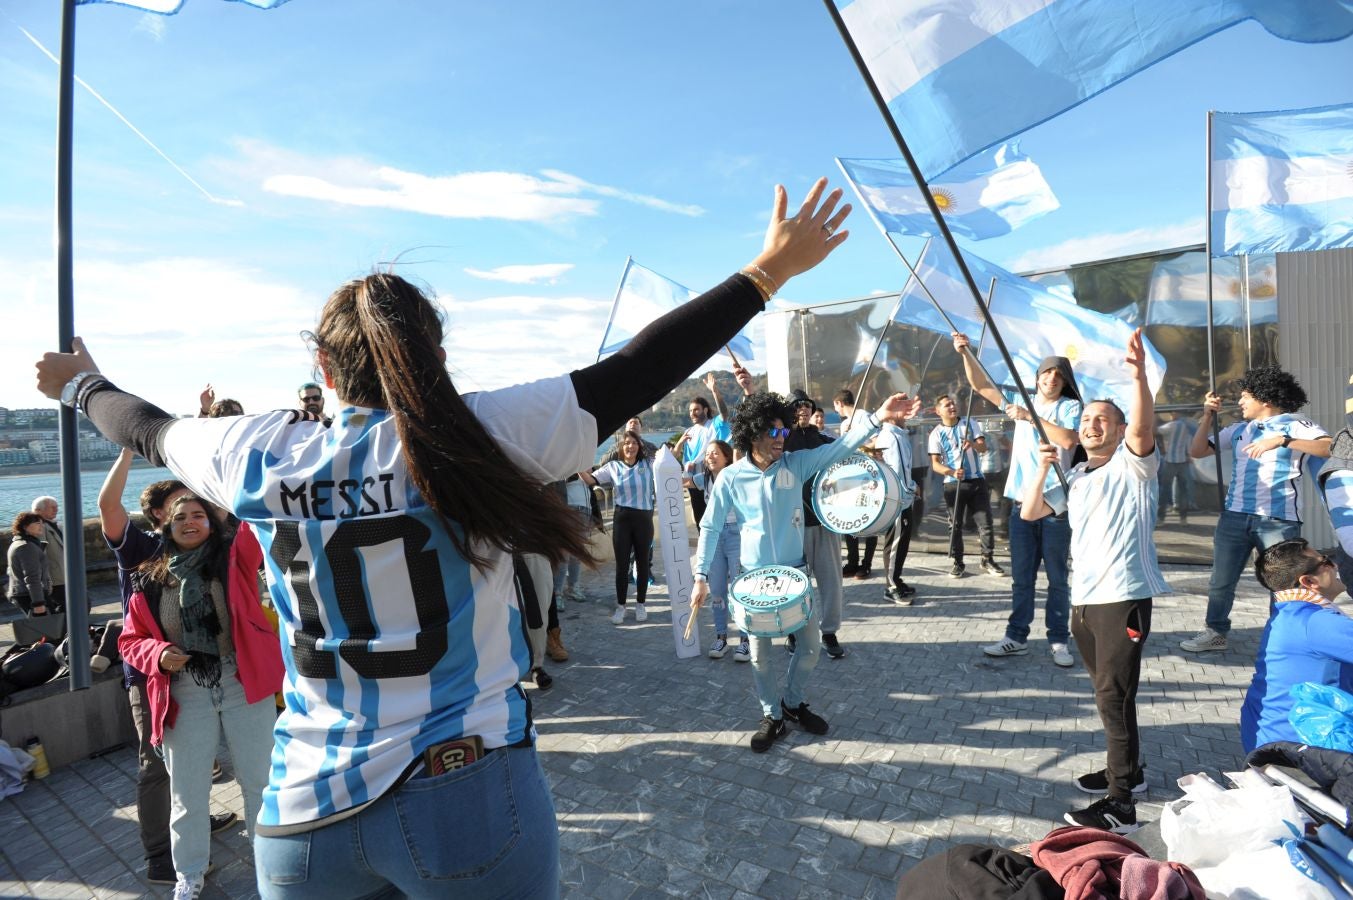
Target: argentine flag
[962,75]
[989,195]
[169,7]
[1035,322]
[1282,181]
[643,296]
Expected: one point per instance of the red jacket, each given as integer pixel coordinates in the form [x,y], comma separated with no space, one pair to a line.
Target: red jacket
[258,654]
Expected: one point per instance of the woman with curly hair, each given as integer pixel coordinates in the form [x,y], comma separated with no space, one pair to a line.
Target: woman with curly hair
[1263,503]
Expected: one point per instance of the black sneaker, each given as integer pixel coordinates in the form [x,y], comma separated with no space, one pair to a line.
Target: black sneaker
[222,821]
[805,718]
[1108,814]
[543,679]
[218,774]
[790,643]
[833,648]
[848,570]
[957,571]
[769,732]
[1098,782]
[991,567]
[161,871]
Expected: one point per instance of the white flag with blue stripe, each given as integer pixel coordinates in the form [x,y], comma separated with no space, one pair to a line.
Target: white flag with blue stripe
[990,195]
[962,75]
[1036,323]
[643,296]
[1282,181]
[169,7]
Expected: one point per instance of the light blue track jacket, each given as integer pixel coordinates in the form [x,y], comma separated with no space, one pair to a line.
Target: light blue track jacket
[769,504]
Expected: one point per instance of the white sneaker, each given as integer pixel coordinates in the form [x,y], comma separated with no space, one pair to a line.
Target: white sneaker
[574,594]
[618,616]
[743,653]
[1006,647]
[1203,641]
[188,888]
[718,648]
[1061,655]
[640,613]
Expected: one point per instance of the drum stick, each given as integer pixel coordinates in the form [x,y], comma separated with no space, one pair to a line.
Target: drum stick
[690,623]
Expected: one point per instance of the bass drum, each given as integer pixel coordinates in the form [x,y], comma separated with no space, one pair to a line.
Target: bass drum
[771,601]
[857,495]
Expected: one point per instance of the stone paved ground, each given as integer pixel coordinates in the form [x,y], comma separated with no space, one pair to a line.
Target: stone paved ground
[931,744]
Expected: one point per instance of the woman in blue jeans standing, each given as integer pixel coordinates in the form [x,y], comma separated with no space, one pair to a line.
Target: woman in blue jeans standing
[725,568]
[404,761]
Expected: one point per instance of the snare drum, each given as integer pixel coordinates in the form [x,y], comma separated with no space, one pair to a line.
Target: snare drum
[857,495]
[771,601]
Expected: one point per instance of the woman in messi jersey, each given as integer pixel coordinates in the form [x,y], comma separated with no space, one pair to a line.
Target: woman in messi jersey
[404,759]
[632,523]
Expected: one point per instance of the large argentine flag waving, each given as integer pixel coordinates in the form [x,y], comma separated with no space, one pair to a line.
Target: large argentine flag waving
[169,7]
[643,296]
[1282,181]
[961,75]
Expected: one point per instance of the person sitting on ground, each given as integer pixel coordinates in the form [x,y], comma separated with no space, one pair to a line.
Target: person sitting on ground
[30,580]
[1307,639]
[764,488]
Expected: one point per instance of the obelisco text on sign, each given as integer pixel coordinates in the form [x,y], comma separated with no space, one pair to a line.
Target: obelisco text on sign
[676,550]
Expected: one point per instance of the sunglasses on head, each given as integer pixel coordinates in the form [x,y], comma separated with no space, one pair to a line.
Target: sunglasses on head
[777,432]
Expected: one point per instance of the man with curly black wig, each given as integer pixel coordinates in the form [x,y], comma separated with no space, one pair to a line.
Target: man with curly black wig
[764,490]
[1263,504]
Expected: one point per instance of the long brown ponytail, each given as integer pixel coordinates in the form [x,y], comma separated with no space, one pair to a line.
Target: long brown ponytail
[380,338]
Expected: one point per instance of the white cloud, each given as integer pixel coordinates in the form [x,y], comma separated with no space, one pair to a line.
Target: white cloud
[551,196]
[1107,245]
[153,25]
[548,273]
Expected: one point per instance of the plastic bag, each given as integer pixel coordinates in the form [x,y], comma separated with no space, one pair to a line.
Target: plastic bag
[1322,716]
[1205,831]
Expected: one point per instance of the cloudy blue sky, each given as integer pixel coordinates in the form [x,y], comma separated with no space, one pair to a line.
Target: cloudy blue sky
[510,156]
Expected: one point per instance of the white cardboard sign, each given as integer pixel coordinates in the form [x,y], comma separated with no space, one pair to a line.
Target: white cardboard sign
[675,540]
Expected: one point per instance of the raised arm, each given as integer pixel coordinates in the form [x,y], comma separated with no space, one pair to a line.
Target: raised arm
[977,378]
[1141,424]
[669,349]
[1199,446]
[713,384]
[113,517]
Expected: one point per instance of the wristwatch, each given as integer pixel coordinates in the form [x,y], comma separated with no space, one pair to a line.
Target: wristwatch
[1287,439]
[71,392]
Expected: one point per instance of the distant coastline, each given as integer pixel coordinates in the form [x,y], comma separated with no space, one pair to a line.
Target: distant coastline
[86,465]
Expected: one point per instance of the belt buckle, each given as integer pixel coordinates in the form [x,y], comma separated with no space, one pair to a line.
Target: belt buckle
[448,756]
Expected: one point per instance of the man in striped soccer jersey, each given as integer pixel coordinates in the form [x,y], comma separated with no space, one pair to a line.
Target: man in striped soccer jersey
[1111,508]
[954,446]
[1176,468]
[1263,503]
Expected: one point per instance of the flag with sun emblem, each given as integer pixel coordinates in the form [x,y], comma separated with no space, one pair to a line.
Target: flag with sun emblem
[1035,322]
[989,195]
[1282,181]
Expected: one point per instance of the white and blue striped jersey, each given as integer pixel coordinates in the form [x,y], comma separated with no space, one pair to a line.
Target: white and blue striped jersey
[1112,513]
[946,442]
[1337,490]
[1174,438]
[698,438]
[392,641]
[1063,411]
[1271,484]
[633,484]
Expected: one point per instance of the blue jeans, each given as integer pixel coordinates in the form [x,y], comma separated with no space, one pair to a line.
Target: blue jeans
[722,573]
[484,831]
[1047,541]
[1172,474]
[190,751]
[1237,534]
[570,570]
[801,664]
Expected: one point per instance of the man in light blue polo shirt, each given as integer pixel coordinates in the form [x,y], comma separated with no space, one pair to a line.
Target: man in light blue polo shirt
[1058,403]
[764,490]
[1112,511]
[1263,504]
